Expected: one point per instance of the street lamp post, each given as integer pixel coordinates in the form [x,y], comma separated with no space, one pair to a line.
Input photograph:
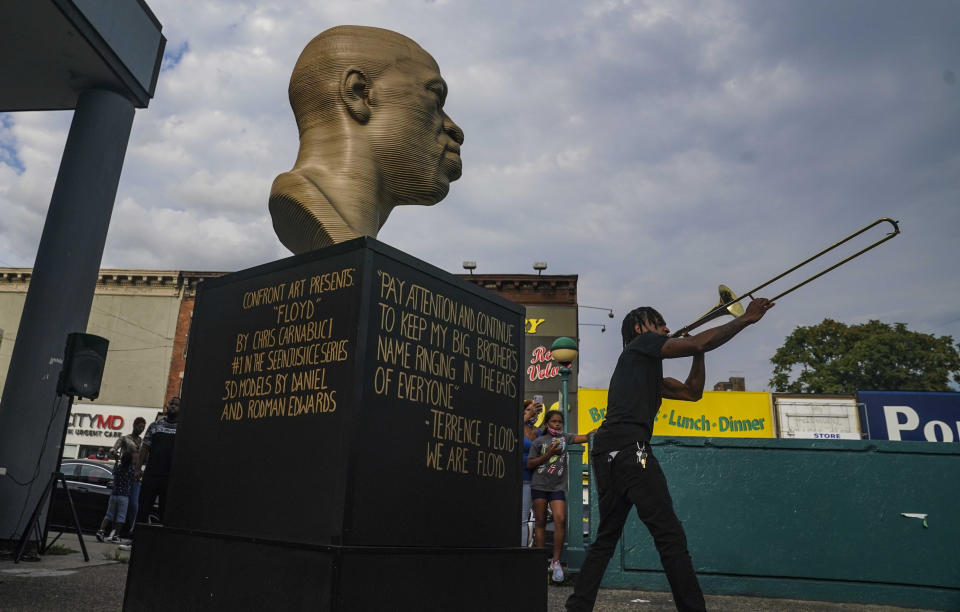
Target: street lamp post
[564,351]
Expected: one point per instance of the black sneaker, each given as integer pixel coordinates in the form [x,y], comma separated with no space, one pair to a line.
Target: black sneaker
[100,535]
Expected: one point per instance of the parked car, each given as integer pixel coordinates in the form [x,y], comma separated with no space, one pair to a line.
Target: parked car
[90,483]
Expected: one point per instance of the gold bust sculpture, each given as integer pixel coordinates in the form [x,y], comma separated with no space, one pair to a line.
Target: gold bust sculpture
[373,135]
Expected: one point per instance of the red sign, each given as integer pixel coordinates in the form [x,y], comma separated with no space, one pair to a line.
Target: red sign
[542,366]
[98,421]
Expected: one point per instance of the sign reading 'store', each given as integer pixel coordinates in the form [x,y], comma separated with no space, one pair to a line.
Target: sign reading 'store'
[352,395]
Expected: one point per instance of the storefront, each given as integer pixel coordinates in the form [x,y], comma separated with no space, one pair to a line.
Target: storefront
[541,375]
[94,427]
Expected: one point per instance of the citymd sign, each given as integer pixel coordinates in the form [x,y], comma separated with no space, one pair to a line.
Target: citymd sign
[90,425]
[98,425]
[912,415]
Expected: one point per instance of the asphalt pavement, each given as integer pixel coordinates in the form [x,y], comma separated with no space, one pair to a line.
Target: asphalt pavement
[58,582]
[616,600]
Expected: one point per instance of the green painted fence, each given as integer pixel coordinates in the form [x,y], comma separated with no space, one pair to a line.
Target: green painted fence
[808,519]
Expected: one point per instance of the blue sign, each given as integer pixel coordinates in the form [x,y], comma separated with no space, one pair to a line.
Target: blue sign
[912,415]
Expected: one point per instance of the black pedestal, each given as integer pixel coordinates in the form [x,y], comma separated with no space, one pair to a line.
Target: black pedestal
[192,571]
[348,414]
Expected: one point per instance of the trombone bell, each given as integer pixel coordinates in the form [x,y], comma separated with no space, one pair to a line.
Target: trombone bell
[735,309]
[728,305]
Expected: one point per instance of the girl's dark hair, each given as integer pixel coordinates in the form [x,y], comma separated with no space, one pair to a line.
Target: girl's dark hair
[643,315]
[549,414]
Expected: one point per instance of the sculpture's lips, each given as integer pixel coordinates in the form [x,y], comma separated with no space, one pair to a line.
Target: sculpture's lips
[453,163]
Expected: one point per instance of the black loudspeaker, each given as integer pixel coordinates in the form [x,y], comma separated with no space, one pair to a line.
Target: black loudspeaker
[83,362]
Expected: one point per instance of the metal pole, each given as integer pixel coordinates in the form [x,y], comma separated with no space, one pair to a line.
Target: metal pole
[59,297]
[564,378]
[575,551]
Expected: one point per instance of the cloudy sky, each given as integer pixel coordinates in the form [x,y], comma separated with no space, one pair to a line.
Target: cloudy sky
[656,149]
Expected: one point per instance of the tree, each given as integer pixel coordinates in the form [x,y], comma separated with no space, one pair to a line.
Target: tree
[833,357]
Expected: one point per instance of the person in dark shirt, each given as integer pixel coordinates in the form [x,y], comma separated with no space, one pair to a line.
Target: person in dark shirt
[626,472]
[156,453]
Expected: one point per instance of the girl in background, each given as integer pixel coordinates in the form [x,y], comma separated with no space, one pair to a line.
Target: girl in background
[548,484]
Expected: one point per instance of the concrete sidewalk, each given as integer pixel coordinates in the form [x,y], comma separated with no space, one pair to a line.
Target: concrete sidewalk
[59,582]
[101,553]
[64,581]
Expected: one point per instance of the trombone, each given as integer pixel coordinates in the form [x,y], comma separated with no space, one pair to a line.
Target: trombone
[730,304]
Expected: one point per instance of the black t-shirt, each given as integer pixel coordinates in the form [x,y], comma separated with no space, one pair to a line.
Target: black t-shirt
[160,438]
[633,398]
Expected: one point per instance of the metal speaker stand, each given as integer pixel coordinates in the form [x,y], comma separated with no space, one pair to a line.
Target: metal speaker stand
[56,477]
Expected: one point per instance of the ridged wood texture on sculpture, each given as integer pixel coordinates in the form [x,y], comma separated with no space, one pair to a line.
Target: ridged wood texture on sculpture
[373,135]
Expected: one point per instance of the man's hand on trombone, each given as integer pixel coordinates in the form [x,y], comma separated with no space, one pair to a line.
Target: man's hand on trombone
[756,309]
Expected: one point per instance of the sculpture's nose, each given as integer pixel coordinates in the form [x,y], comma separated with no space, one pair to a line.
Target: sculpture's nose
[453,130]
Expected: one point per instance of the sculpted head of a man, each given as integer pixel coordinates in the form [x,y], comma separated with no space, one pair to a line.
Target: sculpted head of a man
[373,135]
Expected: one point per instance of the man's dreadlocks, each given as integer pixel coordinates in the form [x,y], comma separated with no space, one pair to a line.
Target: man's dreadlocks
[644,316]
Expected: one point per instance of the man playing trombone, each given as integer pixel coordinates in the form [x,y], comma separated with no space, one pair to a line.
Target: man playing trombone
[626,472]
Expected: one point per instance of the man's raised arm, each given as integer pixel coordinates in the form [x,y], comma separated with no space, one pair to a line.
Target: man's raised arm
[713,338]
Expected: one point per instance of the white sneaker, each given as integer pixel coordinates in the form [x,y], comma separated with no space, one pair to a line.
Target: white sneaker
[100,535]
[125,547]
[557,571]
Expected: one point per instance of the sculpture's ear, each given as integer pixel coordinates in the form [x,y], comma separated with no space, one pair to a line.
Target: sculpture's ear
[355,93]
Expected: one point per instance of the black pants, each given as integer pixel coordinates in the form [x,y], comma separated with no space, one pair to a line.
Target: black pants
[151,488]
[623,484]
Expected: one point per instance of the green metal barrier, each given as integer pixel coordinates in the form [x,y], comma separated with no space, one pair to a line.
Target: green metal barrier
[574,551]
[807,519]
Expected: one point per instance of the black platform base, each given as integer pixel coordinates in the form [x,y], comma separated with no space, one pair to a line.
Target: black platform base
[173,569]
